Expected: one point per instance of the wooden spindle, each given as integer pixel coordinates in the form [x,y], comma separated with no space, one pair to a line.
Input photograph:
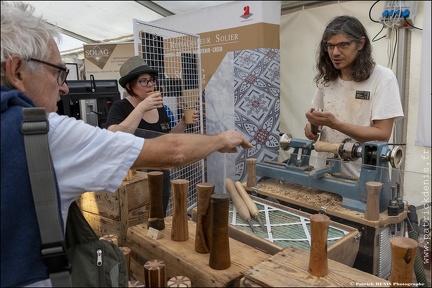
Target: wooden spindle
[203,229]
[318,262]
[156,218]
[179,230]
[372,205]
[220,258]
[154,273]
[251,172]
[403,252]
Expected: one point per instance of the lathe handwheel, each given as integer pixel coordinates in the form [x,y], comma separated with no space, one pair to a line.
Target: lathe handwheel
[396,157]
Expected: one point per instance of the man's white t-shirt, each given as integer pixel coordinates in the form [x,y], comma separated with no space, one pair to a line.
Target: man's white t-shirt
[359,103]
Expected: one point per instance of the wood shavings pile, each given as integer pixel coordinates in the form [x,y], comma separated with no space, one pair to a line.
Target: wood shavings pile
[311,196]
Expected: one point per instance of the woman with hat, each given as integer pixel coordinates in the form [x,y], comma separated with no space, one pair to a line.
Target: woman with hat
[143,108]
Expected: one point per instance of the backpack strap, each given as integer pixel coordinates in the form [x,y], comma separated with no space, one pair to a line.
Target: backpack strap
[35,127]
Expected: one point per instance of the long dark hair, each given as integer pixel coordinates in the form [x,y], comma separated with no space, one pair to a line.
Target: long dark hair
[363,65]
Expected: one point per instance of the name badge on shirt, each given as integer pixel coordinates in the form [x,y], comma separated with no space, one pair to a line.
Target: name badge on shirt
[362,95]
[165,127]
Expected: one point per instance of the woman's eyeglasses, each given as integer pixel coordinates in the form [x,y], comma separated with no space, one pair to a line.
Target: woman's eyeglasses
[62,73]
[145,82]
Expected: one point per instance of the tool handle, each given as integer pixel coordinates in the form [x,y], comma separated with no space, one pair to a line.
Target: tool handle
[237,200]
[253,209]
[321,146]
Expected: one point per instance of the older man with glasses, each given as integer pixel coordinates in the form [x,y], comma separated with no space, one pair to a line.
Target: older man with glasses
[355,97]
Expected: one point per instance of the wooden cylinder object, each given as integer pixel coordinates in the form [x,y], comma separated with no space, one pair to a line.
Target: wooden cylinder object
[373,189]
[179,229]
[156,218]
[203,229]
[220,257]
[403,252]
[251,172]
[318,262]
[110,238]
[154,273]
[320,146]
[126,252]
[179,281]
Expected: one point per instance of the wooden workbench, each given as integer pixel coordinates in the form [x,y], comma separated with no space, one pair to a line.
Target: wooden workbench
[373,256]
[289,268]
[181,259]
[315,199]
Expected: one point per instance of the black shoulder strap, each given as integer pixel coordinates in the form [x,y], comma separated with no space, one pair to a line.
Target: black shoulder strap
[35,127]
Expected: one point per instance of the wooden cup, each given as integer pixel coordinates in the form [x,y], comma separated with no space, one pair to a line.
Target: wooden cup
[189,116]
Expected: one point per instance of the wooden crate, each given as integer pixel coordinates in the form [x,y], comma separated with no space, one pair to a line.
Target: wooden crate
[113,213]
[290,268]
[181,259]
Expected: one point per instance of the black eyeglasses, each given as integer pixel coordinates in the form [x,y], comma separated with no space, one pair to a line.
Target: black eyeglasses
[341,46]
[62,73]
[145,82]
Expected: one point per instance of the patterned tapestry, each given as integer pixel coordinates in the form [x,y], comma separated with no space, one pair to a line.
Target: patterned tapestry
[243,94]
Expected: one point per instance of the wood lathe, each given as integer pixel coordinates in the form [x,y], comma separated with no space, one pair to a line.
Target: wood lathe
[379,164]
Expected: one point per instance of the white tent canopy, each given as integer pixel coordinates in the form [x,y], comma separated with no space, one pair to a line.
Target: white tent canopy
[105,21]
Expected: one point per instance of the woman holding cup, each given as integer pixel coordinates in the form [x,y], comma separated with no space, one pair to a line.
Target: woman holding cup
[143,108]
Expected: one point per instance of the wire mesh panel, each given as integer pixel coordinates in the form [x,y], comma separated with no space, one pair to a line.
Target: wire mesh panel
[176,56]
[284,228]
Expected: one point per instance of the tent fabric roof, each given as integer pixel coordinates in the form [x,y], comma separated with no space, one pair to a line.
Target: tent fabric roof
[107,21]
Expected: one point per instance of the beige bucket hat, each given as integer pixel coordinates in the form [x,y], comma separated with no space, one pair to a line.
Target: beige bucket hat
[133,67]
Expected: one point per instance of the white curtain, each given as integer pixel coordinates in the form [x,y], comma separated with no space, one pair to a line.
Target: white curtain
[423,136]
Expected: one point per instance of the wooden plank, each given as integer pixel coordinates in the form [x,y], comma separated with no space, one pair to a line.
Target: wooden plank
[181,258]
[289,268]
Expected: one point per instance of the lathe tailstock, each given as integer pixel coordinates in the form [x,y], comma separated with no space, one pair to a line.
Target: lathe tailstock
[380,163]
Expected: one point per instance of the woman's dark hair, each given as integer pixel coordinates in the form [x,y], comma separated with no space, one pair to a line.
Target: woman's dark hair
[363,65]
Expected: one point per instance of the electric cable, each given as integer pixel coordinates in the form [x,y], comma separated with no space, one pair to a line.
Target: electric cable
[370,10]
[374,40]
[405,19]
